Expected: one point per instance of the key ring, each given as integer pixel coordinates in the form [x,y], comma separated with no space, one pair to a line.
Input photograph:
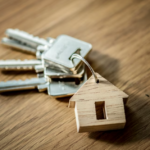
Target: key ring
[89,66]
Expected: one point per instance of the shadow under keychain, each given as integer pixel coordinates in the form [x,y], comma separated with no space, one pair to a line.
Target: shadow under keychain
[99,105]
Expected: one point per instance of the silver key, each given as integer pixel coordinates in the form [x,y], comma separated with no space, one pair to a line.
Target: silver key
[60,52]
[57,88]
[26,42]
[19,64]
[32,41]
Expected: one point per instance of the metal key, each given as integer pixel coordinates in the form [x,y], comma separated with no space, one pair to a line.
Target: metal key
[57,88]
[26,42]
[34,42]
[63,48]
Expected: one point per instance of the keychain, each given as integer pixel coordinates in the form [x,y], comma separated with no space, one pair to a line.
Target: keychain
[99,105]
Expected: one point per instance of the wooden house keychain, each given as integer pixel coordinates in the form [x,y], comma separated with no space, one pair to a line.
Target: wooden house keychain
[99,105]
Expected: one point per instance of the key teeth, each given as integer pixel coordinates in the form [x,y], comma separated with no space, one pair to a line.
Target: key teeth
[19,64]
[25,39]
[17,60]
[18,68]
[16,44]
[33,82]
[10,82]
[9,32]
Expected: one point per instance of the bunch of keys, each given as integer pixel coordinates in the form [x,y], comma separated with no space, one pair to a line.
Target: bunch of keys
[55,70]
[99,105]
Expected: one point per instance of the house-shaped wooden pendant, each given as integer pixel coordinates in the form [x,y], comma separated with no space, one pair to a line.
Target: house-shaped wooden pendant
[99,106]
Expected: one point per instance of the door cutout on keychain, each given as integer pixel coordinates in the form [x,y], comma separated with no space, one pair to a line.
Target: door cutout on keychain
[100,110]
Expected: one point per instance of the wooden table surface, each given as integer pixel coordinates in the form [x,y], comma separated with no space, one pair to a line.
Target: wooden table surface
[120,34]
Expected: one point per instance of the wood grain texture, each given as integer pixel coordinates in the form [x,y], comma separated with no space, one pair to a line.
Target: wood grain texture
[111,106]
[120,34]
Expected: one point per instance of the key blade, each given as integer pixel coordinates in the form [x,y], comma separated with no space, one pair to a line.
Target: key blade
[16,85]
[19,64]
[17,45]
[26,38]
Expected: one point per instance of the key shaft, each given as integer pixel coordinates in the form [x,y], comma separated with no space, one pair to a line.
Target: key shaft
[19,64]
[17,45]
[16,85]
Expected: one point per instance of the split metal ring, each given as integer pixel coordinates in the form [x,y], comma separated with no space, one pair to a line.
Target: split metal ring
[89,66]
